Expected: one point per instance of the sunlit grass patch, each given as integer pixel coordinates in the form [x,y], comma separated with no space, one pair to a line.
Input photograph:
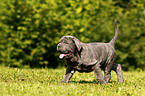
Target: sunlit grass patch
[44,82]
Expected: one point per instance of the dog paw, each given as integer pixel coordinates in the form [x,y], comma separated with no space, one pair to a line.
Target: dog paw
[63,81]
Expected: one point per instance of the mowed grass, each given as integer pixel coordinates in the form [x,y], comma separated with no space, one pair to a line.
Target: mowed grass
[45,82]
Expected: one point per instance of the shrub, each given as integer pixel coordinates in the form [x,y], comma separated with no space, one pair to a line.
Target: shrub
[31,29]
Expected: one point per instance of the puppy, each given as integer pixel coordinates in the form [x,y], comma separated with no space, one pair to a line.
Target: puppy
[87,57]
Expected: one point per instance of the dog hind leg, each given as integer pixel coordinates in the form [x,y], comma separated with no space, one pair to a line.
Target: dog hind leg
[107,73]
[98,74]
[117,68]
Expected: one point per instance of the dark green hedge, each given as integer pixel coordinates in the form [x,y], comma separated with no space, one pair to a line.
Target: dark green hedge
[31,29]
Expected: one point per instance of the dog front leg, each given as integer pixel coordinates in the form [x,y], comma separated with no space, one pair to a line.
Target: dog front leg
[68,74]
[98,74]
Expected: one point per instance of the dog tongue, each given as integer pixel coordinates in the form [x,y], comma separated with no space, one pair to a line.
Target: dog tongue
[61,56]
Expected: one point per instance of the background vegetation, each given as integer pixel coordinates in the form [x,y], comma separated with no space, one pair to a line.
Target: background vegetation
[31,29]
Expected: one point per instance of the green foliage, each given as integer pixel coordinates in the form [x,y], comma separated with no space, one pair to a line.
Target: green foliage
[44,82]
[31,29]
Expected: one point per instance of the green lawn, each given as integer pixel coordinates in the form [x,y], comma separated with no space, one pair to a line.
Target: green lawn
[45,82]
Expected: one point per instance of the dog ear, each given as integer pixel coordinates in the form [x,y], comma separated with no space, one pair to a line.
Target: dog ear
[77,43]
[61,39]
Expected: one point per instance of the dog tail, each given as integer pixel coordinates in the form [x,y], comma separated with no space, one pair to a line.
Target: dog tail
[112,42]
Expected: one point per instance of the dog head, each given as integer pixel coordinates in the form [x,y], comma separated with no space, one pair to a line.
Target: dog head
[67,46]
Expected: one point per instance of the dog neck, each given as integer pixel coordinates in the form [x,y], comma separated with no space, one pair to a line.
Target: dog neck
[74,60]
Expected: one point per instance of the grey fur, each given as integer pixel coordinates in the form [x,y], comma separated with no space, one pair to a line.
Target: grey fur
[112,42]
[87,57]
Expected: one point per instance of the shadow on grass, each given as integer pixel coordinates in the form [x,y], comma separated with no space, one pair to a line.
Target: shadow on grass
[89,82]
[84,82]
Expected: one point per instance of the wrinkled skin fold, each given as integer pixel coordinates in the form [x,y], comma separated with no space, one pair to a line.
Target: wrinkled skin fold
[88,57]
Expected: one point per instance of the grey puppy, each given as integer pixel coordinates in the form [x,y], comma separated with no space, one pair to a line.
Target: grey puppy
[87,57]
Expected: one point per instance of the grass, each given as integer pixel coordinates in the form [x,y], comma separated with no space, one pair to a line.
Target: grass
[45,82]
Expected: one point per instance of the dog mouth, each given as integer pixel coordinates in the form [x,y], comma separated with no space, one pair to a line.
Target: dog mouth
[63,55]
